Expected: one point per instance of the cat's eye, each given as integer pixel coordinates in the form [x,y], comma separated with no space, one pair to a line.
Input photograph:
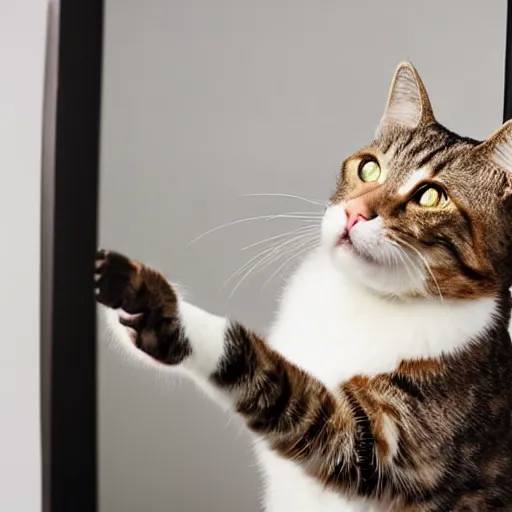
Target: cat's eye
[430,197]
[369,171]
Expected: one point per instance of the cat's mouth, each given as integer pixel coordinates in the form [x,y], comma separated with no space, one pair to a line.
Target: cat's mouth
[346,243]
[344,240]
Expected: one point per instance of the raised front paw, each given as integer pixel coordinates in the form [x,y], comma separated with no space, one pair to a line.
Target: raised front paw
[117,280]
[150,300]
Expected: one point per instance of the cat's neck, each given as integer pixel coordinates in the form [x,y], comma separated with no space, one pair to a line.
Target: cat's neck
[318,273]
[328,317]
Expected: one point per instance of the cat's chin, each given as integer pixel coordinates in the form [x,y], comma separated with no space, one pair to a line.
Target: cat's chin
[379,277]
[345,245]
[367,257]
[353,258]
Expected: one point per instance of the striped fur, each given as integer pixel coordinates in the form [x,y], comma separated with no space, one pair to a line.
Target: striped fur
[428,428]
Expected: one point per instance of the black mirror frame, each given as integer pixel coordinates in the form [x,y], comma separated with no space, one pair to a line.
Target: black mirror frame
[69,241]
[507,102]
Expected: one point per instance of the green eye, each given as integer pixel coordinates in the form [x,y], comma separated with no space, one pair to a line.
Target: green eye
[430,198]
[369,171]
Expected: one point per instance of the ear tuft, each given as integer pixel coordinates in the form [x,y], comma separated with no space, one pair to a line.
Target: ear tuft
[408,104]
[498,147]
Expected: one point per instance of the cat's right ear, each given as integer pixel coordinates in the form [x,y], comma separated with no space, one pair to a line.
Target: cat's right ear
[408,104]
[498,147]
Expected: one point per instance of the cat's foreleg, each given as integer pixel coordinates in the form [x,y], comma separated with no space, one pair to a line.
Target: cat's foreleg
[348,439]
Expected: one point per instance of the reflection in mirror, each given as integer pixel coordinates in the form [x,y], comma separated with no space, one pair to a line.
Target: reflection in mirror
[223,128]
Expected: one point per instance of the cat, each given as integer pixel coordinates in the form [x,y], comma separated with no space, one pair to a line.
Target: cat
[386,381]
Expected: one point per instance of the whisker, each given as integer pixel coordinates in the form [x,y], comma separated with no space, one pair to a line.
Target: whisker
[278,252]
[414,265]
[262,254]
[405,259]
[232,223]
[291,215]
[427,266]
[292,196]
[408,259]
[303,228]
[286,247]
[295,255]
[294,215]
[315,214]
[265,255]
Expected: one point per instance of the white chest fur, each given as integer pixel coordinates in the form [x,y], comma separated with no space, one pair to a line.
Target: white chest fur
[334,329]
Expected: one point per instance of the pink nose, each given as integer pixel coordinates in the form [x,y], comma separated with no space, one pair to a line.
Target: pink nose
[357,210]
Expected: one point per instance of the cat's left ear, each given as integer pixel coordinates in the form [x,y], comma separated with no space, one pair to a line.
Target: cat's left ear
[408,104]
[498,147]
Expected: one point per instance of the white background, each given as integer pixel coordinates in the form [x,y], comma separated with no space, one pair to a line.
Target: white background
[22,52]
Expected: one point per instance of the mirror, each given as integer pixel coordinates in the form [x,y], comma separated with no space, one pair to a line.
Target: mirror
[214,112]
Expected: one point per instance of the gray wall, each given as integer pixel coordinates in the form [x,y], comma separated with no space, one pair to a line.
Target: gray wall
[205,101]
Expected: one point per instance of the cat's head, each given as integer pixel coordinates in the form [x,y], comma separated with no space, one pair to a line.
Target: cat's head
[421,211]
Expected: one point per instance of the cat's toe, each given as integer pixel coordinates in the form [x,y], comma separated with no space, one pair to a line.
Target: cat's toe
[133,321]
[99,262]
[113,275]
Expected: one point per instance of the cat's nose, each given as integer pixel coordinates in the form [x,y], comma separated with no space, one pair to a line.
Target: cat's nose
[358,210]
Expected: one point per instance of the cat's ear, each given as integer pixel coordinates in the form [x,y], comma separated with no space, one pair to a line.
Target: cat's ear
[498,147]
[408,104]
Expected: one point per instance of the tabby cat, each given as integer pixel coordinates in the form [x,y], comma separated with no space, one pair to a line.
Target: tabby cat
[386,381]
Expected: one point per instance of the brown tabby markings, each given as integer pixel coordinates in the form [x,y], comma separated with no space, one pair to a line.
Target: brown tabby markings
[433,434]
[398,436]
[464,241]
[143,291]
[461,249]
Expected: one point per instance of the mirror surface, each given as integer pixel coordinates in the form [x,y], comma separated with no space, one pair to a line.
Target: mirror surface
[203,103]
